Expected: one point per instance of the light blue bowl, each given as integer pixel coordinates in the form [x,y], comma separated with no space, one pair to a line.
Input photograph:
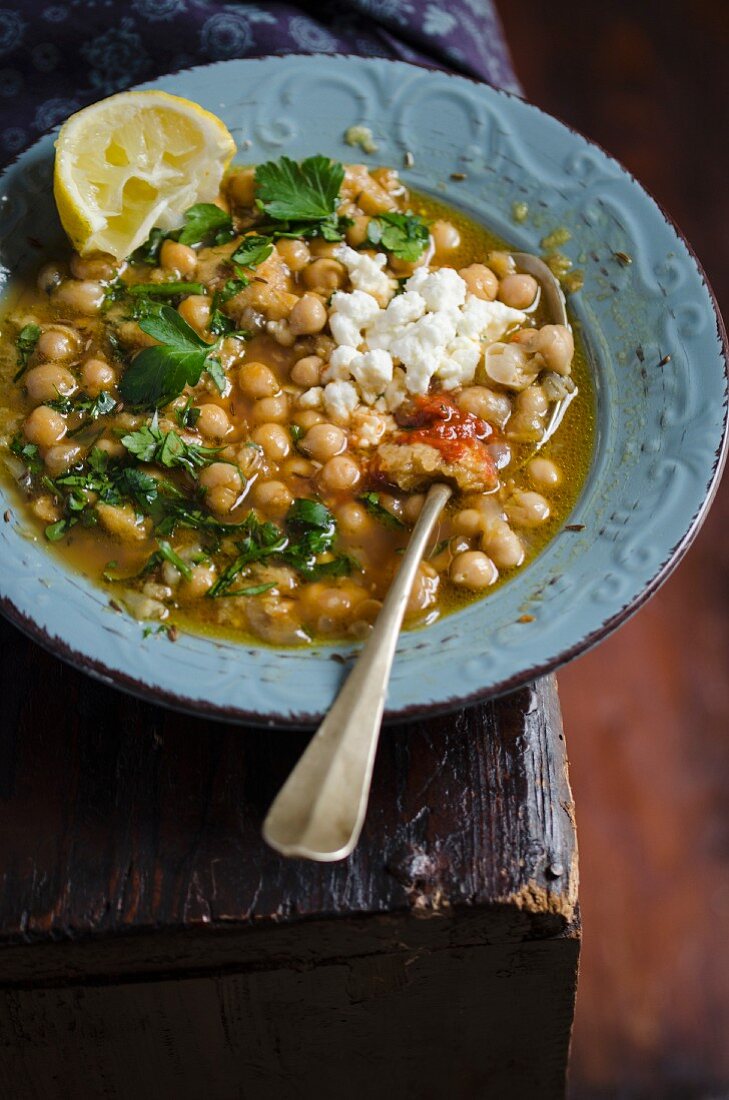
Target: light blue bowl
[661,428]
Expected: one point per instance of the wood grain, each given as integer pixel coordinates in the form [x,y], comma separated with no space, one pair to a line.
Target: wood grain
[647,714]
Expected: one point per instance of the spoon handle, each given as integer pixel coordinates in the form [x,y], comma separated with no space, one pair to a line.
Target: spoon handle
[319,812]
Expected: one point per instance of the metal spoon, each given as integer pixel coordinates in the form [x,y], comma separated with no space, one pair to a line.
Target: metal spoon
[319,812]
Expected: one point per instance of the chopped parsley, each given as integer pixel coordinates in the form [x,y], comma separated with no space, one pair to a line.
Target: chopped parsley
[371,502]
[29,453]
[90,408]
[163,290]
[252,251]
[28,337]
[406,236]
[168,449]
[301,199]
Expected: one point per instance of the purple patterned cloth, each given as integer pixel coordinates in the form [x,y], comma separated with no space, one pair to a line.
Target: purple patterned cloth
[57,57]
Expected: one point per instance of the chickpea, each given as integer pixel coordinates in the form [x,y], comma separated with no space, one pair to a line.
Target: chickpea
[274,439]
[518,291]
[241,187]
[341,473]
[324,275]
[298,466]
[308,316]
[544,474]
[113,447]
[84,296]
[532,401]
[373,199]
[272,497]
[319,247]
[178,258]
[473,569]
[356,234]
[201,580]
[223,486]
[468,522]
[49,276]
[501,263]
[557,347]
[489,405]
[503,545]
[257,380]
[307,418]
[353,519]
[45,508]
[44,427]
[324,441]
[424,590]
[527,509]
[307,371]
[295,254]
[412,507]
[271,410]
[446,237]
[58,343]
[47,382]
[122,521]
[99,266]
[213,421]
[97,375]
[196,311]
[61,456]
[480,281]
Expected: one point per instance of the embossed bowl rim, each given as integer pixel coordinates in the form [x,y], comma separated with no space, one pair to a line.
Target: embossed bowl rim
[104,667]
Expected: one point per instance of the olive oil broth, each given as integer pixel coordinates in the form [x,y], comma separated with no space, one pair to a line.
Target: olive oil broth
[99,554]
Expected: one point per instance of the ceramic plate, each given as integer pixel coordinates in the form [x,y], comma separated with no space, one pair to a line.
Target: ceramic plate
[661,422]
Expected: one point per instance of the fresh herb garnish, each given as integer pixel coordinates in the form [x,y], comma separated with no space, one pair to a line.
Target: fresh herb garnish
[215,369]
[148,253]
[261,541]
[205,222]
[252,251]
[308,191]
[168,449]
[371,502]
[188,416]
[28,452]
[90,407]
[25,344]
[406,236]
[169,555]
[164,290]
[160,373]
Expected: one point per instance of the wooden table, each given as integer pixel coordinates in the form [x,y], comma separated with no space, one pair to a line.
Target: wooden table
[152,946]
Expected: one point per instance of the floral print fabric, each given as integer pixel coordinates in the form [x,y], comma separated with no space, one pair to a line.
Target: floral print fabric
[57,57]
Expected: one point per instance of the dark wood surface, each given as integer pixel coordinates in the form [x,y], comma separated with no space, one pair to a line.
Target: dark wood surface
[647,714]
[151,945]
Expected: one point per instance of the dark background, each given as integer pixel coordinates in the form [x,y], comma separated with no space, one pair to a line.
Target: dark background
[647,714]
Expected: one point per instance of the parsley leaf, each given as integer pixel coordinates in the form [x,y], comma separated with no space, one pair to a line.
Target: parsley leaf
[158,374]
[90,407]
[28,452]
[252,251]
[215,369]
[203,222]
[27,339]
[188,416]
[163,290]
[406,236]
[371,502]
[148,253]
[306,192]
[169,555]
[168,449]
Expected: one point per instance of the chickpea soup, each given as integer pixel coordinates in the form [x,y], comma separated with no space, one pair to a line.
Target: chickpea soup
[233,429]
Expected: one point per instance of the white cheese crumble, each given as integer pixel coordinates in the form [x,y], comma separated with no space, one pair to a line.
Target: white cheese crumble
[366,274]
[390,346]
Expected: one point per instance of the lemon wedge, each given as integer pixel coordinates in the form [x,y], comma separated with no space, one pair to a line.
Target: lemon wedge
[132,162]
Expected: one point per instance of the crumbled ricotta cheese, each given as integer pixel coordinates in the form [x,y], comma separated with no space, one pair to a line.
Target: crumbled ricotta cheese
[368,427]
[434,329]
[366,274]
[340,399]
[349,314]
